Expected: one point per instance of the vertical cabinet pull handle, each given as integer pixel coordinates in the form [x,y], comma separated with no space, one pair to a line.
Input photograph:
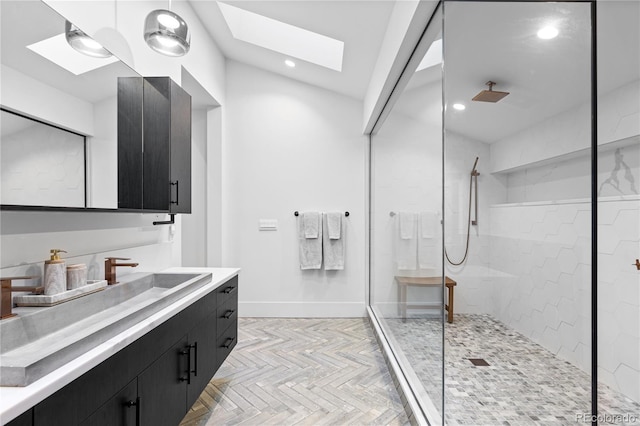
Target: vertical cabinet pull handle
[177,201]
[195,359]
[228,342]
[136,404]
[187,352]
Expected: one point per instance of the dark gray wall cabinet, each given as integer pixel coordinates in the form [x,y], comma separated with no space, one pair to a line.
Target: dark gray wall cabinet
[154,145]
[154,380]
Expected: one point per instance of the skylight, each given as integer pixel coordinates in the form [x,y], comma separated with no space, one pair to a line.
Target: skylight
[57,50]
[433,56]
[284,38]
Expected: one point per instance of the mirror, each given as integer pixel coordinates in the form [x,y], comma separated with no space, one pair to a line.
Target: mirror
[66,93]
[41,159]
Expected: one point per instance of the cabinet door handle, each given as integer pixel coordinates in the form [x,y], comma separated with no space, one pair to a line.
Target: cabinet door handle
[228,342]
[187,352]
[136,404]
[230,289]
[177,201]
[228,314]
[195,359]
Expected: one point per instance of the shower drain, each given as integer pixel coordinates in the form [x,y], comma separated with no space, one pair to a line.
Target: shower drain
[478,362]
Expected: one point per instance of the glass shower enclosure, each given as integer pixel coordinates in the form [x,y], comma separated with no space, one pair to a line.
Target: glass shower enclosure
[505,214]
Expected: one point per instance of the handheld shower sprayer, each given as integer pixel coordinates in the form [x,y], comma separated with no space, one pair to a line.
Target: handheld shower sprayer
[473,176]
[474,171]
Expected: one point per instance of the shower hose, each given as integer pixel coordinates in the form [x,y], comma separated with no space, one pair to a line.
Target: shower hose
[466,249]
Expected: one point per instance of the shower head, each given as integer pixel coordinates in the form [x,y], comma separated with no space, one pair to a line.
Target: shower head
[489,95]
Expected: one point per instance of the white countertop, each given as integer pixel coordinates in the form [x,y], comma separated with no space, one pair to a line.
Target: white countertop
[15,401]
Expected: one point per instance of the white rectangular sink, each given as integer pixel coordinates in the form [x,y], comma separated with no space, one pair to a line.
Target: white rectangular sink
[40,340]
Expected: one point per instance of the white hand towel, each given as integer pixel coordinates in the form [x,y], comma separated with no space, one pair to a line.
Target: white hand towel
[405,241]
[428,224]
[333,248]
[407,225]
[311,221]
[310,248]
[334,225]
[429,253]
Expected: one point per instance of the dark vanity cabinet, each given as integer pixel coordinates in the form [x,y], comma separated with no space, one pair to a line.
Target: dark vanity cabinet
[120,410]
[154,145]
[155,379]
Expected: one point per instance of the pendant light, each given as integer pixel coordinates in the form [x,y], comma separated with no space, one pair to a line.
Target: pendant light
[83,43]
[166,32]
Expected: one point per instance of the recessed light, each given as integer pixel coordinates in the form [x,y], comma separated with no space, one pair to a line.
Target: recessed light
[459,107]
[289,63]
[547,33]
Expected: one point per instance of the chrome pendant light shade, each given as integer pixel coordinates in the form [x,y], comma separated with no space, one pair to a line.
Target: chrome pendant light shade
[83,43]
[167,33]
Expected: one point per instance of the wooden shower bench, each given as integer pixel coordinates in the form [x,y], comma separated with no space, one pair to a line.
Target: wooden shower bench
[404,282]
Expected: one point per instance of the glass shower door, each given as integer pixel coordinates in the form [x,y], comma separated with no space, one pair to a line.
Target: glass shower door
[618,191]
[406,212]
[517,211]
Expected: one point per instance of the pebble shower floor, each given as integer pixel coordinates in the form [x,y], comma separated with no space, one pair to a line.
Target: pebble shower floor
[524,384]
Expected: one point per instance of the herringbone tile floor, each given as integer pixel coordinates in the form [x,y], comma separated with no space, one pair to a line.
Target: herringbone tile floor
[301,372]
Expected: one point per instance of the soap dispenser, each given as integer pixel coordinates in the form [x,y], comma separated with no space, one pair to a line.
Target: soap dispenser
[55,274]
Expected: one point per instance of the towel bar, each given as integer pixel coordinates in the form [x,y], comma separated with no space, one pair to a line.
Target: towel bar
[298,214]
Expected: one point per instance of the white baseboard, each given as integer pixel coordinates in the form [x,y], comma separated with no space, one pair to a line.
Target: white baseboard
[302,309]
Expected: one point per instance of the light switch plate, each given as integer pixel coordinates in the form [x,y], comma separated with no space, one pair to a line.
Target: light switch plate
[268,225]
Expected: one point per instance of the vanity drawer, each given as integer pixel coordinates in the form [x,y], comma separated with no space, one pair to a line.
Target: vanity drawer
[227,290]
[227,314]
[227,341]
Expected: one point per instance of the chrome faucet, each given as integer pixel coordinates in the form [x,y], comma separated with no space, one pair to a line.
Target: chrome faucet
[110,268]
[7,288]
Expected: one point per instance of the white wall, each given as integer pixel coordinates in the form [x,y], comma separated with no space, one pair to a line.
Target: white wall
[544,250]
[215,131]
[291,146]
[30,97]
[194,226]
[102,156]
[568,134]
[27,237]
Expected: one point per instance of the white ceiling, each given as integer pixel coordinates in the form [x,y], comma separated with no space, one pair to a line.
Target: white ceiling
[361,25]
[498,42]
